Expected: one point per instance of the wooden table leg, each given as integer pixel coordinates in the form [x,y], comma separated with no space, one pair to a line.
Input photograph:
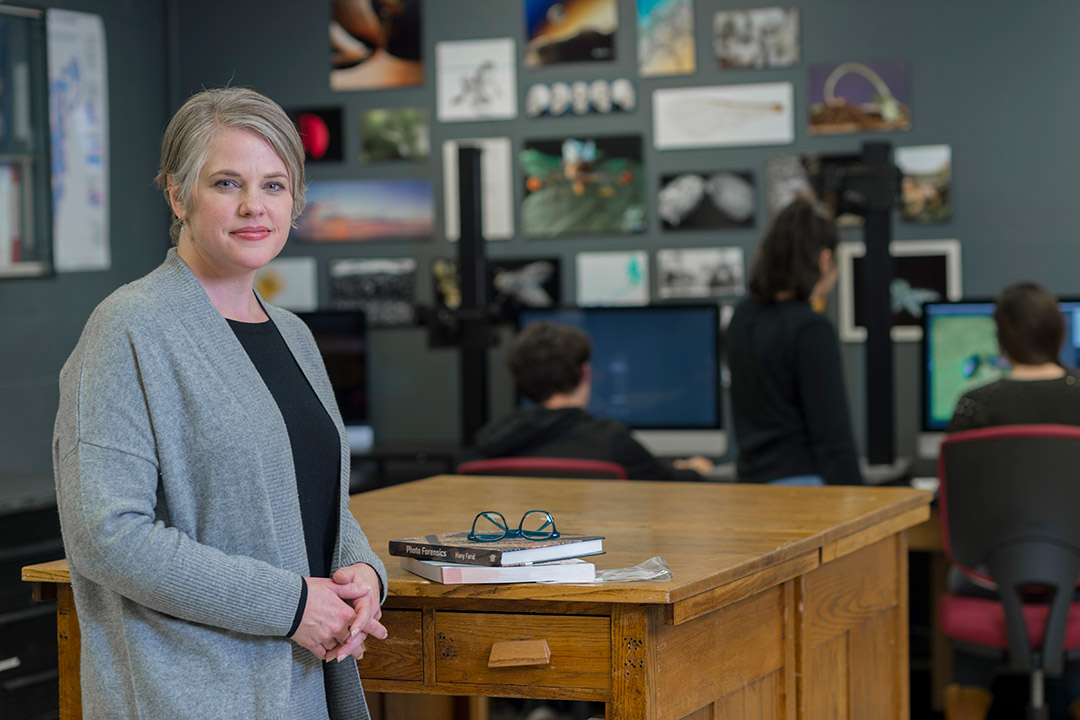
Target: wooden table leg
[69,643]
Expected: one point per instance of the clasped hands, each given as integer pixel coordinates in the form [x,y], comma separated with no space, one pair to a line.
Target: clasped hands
[340,613]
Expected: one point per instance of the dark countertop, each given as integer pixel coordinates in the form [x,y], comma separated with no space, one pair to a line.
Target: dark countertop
[25,491]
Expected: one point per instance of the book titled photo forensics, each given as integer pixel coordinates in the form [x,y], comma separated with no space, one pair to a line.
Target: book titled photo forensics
[457,548]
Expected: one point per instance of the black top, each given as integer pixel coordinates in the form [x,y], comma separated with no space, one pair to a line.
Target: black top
[1020,402]
[316,449]
[573,433]
[787,395]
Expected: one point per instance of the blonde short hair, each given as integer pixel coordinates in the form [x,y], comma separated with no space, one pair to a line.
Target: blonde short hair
[195,127]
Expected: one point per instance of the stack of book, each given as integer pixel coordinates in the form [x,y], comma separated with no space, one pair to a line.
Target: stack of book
[452,558]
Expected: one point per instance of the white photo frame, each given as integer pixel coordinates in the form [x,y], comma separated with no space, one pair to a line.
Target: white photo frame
[946,252]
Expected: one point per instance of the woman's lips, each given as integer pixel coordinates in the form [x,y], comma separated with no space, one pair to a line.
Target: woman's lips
[252,233]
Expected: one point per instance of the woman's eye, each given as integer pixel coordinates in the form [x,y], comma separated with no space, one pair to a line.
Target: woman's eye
[225,183]
[275,186]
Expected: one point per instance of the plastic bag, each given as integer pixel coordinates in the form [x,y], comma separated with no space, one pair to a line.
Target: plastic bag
[652,569]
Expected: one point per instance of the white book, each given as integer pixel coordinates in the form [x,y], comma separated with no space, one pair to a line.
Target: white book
[570,570]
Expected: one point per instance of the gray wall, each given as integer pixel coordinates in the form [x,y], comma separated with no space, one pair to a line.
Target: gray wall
[989,79]
[40,319]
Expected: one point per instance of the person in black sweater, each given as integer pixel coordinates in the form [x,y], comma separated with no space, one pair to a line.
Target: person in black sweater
[1037,389]
[787,391]
[550,363]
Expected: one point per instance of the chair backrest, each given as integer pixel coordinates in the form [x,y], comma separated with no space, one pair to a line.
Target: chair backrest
[1010,502]
[544,467]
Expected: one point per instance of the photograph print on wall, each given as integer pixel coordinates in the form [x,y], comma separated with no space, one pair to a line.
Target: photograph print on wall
[805,176]
[375,44]
[476,80]
[723,116]
[289,282]
[513,284]
[759,38]
[612,278]
[580,98]
[562,31]
[922,271]
[665,37]
[320,133]
[855,97]
[716,200]
[496,187]
[382,287]
[579,186]
[399,134]
[699,272]
[925,183]
[368,210]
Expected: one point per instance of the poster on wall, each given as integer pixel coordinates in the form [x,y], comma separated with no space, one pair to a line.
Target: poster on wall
[665,37]
[383,288]
[699,272]
[289,282]
[922,271]
[398,134]
[852,97]
[320,133]
[612,278]
[925,183]
[723,116]
[562,31]
[79,128]
[580,97]
[476,80]
[578,186]
[718,200]
[496,187]
[375,44]
[368,210]
[513,284]
[759,38]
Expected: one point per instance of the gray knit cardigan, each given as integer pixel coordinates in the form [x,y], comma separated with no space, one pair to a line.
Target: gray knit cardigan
[180,517]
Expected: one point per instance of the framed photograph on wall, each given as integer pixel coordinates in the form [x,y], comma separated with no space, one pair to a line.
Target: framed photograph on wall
[923,271]
[723,116]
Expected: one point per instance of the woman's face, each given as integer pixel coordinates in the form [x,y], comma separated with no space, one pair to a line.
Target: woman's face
[241,209]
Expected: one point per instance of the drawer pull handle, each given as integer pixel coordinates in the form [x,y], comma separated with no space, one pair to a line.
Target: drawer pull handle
[515,653]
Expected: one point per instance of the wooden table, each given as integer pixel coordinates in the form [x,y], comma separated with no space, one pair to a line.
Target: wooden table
[787,602]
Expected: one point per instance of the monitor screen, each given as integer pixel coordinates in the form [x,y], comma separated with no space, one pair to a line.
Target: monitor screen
[653,367]
[342,340]
[960,352]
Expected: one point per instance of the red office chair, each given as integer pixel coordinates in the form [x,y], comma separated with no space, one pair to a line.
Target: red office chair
[1010,499]
[544,467]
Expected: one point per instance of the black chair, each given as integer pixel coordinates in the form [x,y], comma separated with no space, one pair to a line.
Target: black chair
[1010,513]
[544,467]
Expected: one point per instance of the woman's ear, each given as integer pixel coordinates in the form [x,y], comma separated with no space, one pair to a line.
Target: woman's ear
[174,197]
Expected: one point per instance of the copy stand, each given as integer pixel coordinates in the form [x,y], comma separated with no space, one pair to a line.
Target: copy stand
[871,189]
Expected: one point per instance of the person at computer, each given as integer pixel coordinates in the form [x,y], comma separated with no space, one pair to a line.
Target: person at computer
[550,364]
[1037,389]
[201,465]
[787,389]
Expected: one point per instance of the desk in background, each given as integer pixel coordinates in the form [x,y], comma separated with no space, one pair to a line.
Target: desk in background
[787,602]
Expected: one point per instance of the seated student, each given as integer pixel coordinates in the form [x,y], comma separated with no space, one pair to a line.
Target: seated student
[787,385]
[550,364]
[1030,331]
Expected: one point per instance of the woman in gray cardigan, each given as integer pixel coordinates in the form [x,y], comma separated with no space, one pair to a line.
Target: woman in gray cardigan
[201,463]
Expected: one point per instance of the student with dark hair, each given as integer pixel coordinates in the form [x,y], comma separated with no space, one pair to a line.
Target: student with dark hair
[1030,331]
[550,364]
[787,391]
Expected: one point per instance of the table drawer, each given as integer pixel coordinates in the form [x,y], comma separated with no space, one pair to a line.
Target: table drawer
[580,649]
[400,656]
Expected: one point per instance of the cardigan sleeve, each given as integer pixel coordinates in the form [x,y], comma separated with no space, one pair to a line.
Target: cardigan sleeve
[108,484]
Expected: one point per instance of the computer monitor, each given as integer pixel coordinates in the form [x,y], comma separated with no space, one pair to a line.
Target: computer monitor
[960,352]
[655,369]
[342,340]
